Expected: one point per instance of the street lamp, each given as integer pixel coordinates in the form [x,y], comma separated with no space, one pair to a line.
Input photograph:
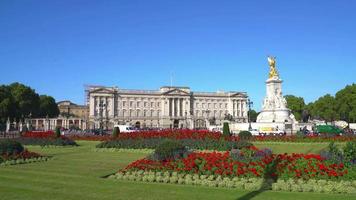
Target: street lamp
[250,104]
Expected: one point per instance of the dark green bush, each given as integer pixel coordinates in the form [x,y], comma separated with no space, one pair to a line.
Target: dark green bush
[242,144]
[115,132]
[61,141]
[58,132]
[300,134]
[350,152]
[245,135]
[170,149]
[226,129]
[10,147]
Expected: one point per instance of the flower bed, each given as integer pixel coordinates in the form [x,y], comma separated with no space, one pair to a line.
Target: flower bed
[294,185]
[44,138]
[275,165]
[200,139]
[246,168]
[206,144]
[12,152]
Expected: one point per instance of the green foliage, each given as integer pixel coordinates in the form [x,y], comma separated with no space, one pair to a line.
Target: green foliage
[350,152]
[46,141]
[245,135]
[115,132]
[346,103]
[253,115]
[226,129]
[296,104]
[325,108]
[57,132]
[10,147]
[48,106]
[18,101]
[170,149]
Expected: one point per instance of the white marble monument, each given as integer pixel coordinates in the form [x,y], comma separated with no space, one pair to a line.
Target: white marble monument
[274,108]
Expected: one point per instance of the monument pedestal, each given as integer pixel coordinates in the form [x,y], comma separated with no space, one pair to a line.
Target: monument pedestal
[274,109]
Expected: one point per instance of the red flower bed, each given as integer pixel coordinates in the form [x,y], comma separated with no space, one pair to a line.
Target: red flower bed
[274,165]
[91,137]
[309,138]
[175,134]
[205,134]
[39,134]
[22,155]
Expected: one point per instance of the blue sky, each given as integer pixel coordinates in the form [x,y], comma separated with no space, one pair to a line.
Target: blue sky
[58,46]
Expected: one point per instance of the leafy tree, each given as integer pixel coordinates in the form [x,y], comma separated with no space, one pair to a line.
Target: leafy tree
[253,115]
[324,108]
[346,103]
[48,106]
[26,100]
[7,104]
[296,104]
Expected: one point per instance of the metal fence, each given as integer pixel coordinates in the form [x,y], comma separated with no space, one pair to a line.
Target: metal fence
[11,134]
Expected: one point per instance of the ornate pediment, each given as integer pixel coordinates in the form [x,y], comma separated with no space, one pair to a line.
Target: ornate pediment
[175,92]
[239,94]
[103,91]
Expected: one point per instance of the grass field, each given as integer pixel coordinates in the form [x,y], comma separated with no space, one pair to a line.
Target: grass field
[75,173]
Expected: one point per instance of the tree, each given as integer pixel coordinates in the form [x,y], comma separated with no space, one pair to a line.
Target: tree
[345,100]
[296,105]
[7,105]
[48,107]
[324,108]
[253,115]
[226,129]
[26,100]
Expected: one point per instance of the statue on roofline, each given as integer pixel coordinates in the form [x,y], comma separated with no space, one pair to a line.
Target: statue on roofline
[272,67]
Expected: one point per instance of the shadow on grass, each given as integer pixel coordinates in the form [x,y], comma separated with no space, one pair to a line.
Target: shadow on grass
[268,180]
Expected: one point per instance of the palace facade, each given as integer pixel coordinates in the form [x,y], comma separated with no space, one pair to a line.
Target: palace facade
[168,107]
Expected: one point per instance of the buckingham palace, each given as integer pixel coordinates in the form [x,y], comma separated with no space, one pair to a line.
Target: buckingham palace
[168,107]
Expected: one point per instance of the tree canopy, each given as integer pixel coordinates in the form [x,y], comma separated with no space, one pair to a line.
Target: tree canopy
[19,101]
[327,107]
[296,104]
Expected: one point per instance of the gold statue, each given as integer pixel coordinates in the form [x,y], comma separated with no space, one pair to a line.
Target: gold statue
[272,67]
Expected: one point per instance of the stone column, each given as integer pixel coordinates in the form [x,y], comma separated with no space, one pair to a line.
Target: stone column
[178,106]
[91,105]
[173,107]
[36,124]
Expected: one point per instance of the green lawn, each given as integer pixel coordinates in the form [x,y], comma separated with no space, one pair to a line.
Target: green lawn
[75,173]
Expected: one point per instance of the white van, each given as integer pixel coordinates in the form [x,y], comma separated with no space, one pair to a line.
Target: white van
[125,128]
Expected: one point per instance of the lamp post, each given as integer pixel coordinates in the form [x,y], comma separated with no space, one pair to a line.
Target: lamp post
[250,104]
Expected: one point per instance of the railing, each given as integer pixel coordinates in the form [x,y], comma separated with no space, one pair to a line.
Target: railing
[11,134]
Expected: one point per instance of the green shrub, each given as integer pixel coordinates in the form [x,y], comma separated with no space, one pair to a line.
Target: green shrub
[350,151]
[300,134]
[245,135]
[115,132]
[169,149]
[226,129]
[58,132]
[10,147]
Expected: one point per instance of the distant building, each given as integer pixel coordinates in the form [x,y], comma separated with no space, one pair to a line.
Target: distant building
[168,107]
[69,109]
